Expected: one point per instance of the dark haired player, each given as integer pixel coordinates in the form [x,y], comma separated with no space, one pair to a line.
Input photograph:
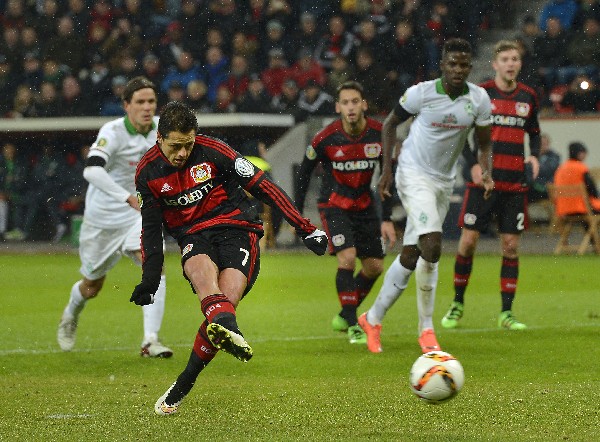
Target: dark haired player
[514,113]
[111,221]
[349,150]
[446,109]
[193,185]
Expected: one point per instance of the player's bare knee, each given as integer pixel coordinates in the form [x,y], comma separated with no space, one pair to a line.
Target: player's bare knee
[90,288]
[409,257]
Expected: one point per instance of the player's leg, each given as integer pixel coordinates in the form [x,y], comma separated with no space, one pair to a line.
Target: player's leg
[370,249]
[426,276]
[3,215]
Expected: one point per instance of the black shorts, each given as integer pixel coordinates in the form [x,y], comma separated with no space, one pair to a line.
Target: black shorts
[509,209]
[360,229]
[228,248]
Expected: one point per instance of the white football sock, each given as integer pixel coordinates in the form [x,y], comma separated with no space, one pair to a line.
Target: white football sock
[3,215]
[76,301]
[153,313]
[426,275]
[394,282]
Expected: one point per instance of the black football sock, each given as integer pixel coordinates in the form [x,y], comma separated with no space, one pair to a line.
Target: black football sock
[346,288]
[509,276]
[462,272]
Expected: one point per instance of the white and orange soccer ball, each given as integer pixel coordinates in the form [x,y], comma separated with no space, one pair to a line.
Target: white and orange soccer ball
[436,377]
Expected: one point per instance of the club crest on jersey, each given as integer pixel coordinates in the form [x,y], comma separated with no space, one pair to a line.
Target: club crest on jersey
[200,172]
[470,219]
[338,240]
[187,249]
[469,108]
[522,109]
[244,167]
[372,150]
[310,153]
[140,200]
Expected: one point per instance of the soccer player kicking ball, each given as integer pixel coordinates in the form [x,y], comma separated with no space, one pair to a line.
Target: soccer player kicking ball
[111,221]
[445,110]
[515,113]
[193,185]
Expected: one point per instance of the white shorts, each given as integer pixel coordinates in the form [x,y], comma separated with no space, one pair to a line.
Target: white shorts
[101,249]
[426,202]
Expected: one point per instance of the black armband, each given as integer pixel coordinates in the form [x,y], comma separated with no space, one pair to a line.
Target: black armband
[95,160]
[401,113]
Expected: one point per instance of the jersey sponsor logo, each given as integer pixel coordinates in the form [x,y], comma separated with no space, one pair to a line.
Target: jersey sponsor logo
[449,122]
[470,219]
[191,197]
[506,120]
[187,249]
[338,240]
[165,188]
[350,166]
[200,172]
[522,109]
[243,167]
[372,150]
[140,200]
[310,153]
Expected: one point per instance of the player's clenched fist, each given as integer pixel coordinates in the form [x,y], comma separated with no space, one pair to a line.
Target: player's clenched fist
[316,242]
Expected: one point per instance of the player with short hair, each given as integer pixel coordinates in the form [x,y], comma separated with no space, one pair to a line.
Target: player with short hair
[111,221]
[514,114]
[193,185]
[349,150]
[445,110]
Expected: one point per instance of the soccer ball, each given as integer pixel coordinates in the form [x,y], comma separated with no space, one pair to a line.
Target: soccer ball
[436,377]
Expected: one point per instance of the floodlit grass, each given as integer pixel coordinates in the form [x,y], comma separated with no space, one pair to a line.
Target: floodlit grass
[305,382]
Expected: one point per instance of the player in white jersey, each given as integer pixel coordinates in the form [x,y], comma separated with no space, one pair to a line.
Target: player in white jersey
[445,110]
[112,222]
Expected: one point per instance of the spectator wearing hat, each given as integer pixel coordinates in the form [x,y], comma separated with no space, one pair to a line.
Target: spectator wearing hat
[575,171]
[238,78]
[276,72]
[112,106]
[287,101]
[8,84]
[186,70]
[255,100]
[307,68]
[313,101]
[337,40]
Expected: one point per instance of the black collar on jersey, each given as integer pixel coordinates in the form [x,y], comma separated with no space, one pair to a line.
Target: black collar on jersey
[133,131]
[439,88]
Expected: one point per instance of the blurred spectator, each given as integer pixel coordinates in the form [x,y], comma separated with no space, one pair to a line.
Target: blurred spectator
[575,171]
[125,63]
[238,78]
[102,12]
[193,26]
[80,14]
[550,51]
[176,91]
[549,161]
[8,84]
[372,77]
[14,16]
[587,9]
[369,38]
[97,41]
[187,69]
[583,53]
[280,10]
[72,197]
[171,45]
[30,42]
[313,101]
[528,32]
[406,60]
[23,103]
[337,40]
[226,15]
[53,72]
[46,23]
[214,37]
[287,101]
[45,189]
[307,68]
[10,46]
[255,20]
[242,45]
[307,33]
[321,9]
[122,37]
[48,104]
[341,71]
[378,13]
[439,26]
[529,73]
[31,74]
[223,102]
[214,70]
[583,95]
[563,10]
[255,100]
[13,185]
[96,81]
[112,105]
[73,103]
[196,97]
[65,46]
[276,73]
[139,16]
[275,39]
[152,68]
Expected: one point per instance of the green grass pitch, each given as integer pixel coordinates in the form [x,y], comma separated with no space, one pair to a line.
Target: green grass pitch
[305,382]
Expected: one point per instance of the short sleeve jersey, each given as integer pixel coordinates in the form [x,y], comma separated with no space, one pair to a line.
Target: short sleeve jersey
[440,129]
[121,146]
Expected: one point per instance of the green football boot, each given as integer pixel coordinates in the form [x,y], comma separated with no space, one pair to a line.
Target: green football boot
[508,321]
[339,324]
[450,320]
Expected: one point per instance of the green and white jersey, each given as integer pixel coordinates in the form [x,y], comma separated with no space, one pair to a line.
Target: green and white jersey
[122,147]
[441,126]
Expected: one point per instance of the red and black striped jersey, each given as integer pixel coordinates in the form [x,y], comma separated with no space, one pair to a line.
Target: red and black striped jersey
[513,114]
[208,192]
[348,163]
